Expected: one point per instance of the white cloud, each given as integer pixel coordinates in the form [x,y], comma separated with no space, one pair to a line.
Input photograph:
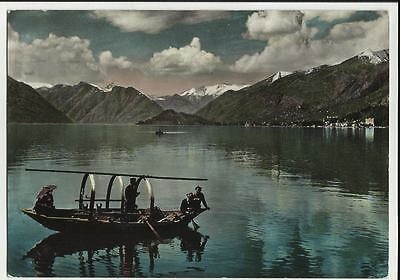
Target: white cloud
[277,56]
[153,22]
[265,24]
[189,59]
[53,59]
[13,36]
[347,31]
[327,15]
[58,60]
[298,50]
[107,60]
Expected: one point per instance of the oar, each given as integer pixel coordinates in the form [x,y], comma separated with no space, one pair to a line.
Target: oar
[153,230]
[195,225]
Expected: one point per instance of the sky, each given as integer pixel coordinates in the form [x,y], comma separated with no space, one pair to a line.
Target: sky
[167,52]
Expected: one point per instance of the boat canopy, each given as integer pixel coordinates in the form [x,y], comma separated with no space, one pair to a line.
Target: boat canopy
[108,199]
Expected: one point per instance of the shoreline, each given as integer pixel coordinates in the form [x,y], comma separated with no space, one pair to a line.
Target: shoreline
[210,125]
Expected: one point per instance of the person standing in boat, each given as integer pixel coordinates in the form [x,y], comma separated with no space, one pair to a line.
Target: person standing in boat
[198,198]
[131,194]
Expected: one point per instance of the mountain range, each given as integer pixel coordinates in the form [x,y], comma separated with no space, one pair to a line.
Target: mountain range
[25,105]
[170,117]
[349,91]
[87,103]
[192,100]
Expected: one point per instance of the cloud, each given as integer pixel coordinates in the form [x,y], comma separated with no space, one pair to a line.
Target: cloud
[347,31]
[277,56]
[107,61]
[327,15]
[58,60]
[265,24]
[152,22]
[53,59]
[189,59]
[299,50]
[376,31]
[13,36]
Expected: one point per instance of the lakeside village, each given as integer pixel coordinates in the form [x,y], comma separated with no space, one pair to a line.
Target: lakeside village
[329,122]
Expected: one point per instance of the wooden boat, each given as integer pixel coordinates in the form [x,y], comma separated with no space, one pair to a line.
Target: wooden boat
[88,218]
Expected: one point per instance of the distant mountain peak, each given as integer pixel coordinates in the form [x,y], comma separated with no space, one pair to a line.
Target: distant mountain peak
[277,75]
[36,85]
[350,92]
[315,69]
[108,88]
[214,90]
[280,74]
[375,57]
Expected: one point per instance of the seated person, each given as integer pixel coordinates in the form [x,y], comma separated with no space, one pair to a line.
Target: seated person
[187,203]
[44,199]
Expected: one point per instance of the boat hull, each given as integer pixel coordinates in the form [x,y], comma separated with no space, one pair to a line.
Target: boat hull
[68,223]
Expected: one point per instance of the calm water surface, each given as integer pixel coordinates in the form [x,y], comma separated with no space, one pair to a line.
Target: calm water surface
[285,202]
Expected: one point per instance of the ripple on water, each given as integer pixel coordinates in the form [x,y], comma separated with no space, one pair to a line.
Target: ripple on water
[291,212]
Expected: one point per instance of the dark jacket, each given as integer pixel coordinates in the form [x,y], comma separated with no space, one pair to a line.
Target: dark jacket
[198,199]
[130,197]
[185,205]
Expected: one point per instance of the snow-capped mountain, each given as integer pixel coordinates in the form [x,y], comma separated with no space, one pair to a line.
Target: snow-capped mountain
[157,98]
[191,100]
[375,57]
[214,90]
[276,76]
[36,85]
[90,103]
[350,91]
[108,88]
[315,69]
[280,74]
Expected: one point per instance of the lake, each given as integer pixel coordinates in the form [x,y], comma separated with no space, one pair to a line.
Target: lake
[285,202]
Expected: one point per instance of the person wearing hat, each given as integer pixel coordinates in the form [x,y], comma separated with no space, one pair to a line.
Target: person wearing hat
[198,198]
[44,199]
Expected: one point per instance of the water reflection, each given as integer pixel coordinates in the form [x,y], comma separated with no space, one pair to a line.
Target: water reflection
[120,255]
[285,202]
[193,244]
[299,262]
[352,157]
[369,134]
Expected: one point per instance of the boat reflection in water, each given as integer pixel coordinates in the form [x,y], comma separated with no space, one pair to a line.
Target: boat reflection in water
[119,255]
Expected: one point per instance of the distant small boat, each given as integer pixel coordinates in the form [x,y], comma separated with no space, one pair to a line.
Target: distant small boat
[110,220]
[160,132]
